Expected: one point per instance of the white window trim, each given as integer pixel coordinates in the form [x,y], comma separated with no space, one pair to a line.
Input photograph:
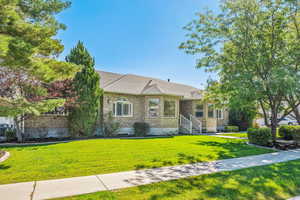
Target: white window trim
[222,114]
[199,110]
[175,113]
[155,107]
[55,112]
[213,111]
[123,103]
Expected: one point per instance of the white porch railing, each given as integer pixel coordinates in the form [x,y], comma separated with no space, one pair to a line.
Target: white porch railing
[197,125]
[186,124]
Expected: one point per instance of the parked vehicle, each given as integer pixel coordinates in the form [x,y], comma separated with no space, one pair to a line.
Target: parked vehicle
[284,121]
[288,121]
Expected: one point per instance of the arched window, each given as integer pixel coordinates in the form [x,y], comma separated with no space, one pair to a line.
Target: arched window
[122,108]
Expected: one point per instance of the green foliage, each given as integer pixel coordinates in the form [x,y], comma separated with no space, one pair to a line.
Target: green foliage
[88,157]
[28,49]
[141,128]
[14,107]
[84,115]
[111,125]
[242,118]
[10,135]
[288,131]
[231,129]
[255,183]
[254,47]
[296,134]
[260,136]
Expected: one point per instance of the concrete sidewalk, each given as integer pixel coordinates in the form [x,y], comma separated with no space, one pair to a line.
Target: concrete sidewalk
[230,137]
[81,185]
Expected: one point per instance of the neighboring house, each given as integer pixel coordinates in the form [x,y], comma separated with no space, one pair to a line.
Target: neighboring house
[6,120]
[166,106]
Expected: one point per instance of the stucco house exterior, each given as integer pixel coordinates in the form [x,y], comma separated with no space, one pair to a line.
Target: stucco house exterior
[168,107]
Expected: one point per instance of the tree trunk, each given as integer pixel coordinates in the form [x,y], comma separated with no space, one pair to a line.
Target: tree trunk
[273,131]
[297,114]
[19,132]
[274,123]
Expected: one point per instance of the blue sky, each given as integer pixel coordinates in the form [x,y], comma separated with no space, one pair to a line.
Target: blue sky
[136,36]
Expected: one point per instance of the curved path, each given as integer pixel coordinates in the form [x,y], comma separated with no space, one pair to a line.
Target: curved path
[5,156]
[48,189]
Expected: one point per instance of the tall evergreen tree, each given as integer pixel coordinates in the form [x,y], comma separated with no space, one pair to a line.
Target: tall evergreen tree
[84,115]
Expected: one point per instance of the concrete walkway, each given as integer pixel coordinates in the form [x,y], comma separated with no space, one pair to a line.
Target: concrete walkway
[5,156]
[37,190]
[230,137]
[295,198]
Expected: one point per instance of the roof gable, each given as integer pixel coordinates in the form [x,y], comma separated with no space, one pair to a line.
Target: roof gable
[140,85]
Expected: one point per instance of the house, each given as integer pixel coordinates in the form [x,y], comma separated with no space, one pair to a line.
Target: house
[6,120]
[168,107]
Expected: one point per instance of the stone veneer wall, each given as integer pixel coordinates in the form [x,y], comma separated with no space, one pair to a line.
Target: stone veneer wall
[46,126]
[162,125]
[158,126]
[57,126]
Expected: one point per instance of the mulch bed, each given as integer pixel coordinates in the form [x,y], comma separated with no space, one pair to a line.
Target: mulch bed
[286,144]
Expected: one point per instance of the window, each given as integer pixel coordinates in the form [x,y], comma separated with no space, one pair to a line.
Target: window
[199,110]
[153,107]
[169,108]
[210,111]
[122,108]
[219,114]
[57,111]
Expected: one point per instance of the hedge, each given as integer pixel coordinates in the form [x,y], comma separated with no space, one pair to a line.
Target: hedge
[141,128]
[287,131]
[231,129]
[260,136]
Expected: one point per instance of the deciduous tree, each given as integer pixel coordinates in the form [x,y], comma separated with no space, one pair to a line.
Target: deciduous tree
[28,52]
[254,46]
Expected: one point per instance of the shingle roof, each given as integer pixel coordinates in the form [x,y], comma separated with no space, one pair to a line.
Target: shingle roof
[140,85]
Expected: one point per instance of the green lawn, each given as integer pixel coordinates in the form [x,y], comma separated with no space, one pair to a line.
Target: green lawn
[99,156]
[244,135]
[274,182]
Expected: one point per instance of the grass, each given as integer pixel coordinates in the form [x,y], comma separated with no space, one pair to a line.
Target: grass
[244,135]
[100,156]
[273,182]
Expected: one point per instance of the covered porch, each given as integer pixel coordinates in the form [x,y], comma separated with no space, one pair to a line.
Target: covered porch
[198,117]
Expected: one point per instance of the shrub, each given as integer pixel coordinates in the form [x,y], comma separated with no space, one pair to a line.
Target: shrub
[288,131]
[231,129]
[260,136]
[111,126]
[10,135]
[296,135]
[141,128]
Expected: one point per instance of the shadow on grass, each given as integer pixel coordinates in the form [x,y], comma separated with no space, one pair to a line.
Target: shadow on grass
[279,181]
[2,166]
[28,145]
[146,138]
[217,151]
[182,158]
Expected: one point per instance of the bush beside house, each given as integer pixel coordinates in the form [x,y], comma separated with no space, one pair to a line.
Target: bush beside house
[260,136]
[111,125]
[10,135]
[141,128]
[231,129]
